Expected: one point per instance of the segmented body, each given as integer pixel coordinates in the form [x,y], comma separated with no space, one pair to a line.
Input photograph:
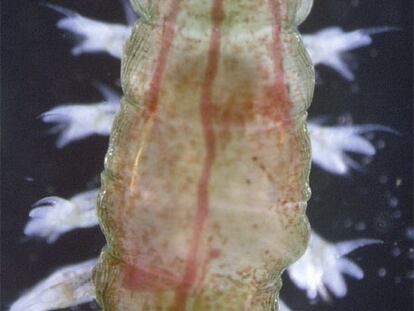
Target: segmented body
[206,178]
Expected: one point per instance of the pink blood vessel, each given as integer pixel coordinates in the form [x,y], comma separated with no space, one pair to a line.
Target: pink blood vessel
[206,178]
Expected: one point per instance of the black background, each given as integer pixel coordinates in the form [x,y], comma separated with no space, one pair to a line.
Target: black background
[38,73]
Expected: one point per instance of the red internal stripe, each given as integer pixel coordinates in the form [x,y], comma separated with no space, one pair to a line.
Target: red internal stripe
[280,91]
[137,278]
[190,275]
[166,43]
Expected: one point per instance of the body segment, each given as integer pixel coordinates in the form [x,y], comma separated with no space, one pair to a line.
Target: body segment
[205,185]
[206,177]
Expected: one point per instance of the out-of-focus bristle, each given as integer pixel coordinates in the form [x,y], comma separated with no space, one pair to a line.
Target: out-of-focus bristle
[54,216]
[330,145]
[66,287]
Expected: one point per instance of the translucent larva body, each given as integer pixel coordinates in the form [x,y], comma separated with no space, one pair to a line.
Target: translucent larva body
[206,178]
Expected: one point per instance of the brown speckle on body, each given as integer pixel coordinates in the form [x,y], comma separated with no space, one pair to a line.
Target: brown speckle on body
[211,161]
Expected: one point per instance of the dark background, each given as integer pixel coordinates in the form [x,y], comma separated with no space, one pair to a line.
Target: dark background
[38,73]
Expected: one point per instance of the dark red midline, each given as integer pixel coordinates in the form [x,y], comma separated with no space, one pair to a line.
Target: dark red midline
[202,190]
[281,92]
[166,43]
